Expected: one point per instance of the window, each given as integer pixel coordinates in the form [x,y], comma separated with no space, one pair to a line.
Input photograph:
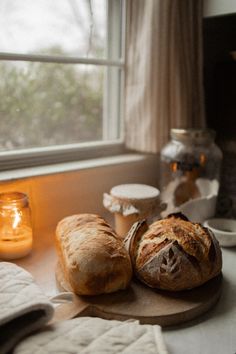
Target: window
[61,69]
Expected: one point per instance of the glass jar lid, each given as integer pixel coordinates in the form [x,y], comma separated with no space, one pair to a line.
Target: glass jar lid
[193,135]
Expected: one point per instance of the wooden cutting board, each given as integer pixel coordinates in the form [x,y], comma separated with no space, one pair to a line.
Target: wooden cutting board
[140,302]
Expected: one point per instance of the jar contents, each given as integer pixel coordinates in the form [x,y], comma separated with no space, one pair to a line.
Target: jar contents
[15,226]
[190,171]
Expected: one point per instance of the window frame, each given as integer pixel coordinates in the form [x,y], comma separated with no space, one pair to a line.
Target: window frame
[113,91]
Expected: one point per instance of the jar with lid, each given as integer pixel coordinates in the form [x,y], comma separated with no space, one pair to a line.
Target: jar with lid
[190,173]
[130,203]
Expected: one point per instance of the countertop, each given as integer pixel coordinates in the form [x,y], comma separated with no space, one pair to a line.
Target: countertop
[214,332]
[211,333]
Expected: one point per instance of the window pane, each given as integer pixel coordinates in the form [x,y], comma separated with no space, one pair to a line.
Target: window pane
[72,27]
[49,104]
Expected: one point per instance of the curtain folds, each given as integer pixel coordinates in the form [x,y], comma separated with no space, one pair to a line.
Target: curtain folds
[164,74]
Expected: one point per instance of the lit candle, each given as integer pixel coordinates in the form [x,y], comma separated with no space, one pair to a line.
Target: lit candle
[15,226]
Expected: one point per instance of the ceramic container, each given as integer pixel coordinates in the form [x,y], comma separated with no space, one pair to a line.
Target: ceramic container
[224,230]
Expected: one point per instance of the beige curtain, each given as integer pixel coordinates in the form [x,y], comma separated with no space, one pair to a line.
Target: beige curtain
[163,87]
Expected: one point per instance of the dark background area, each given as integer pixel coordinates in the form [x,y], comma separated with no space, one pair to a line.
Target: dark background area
[219,39]
[219,35]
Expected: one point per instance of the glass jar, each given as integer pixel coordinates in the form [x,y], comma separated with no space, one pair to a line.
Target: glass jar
[190,171]
[15,225]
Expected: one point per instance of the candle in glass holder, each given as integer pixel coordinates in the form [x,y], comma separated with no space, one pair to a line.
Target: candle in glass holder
[15,226]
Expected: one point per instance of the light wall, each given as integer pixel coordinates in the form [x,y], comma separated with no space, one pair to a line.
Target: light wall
[55,196]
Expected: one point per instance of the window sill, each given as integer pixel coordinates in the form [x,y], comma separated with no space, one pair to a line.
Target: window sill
[17,174]
[50,155]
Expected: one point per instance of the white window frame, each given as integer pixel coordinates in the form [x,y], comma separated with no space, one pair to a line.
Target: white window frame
[113,91]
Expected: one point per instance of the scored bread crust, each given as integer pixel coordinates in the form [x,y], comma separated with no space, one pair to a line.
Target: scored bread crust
[92,256]
[174,254]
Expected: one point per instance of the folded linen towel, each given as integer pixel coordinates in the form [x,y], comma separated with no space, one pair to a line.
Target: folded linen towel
[23,306]
[25,309]
[89,335]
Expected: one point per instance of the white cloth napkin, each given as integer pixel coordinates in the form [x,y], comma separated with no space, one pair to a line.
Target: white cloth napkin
[23,306]
[25,311]
[89,335]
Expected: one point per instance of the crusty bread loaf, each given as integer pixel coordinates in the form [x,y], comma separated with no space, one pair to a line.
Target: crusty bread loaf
[173,253]
[92,257]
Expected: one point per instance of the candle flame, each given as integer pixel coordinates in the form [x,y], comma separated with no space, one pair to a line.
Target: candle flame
[16,219]
[202,159]
[174,166]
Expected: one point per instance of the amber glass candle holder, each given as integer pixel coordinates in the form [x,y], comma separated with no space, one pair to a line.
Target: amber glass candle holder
[15,226]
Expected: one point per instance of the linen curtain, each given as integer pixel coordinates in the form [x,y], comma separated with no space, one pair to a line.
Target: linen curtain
[164,78]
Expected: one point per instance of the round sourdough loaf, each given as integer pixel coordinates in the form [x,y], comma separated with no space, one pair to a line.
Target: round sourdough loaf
[93,258]
[173,253]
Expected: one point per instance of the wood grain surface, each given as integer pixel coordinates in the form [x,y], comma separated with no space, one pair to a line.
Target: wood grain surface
[140,302]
